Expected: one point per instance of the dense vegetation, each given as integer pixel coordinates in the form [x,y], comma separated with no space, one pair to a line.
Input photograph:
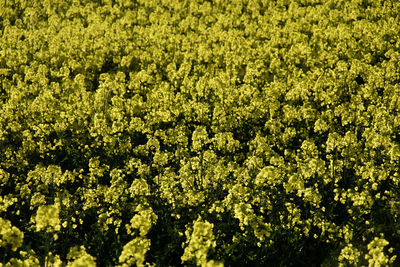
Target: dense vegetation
[169,132]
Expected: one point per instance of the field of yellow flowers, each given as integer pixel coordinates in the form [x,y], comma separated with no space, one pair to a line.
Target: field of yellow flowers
[199,132]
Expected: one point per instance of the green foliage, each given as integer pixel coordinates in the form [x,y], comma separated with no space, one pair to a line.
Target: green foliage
[211,133]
